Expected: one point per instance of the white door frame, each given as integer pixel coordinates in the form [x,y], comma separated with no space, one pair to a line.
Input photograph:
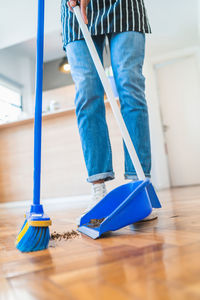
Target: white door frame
[160,61]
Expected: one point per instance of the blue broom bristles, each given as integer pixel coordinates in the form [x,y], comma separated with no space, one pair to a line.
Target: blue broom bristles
[34,238]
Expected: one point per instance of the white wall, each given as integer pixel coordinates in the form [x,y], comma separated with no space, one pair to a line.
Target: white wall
[160,175]
[175,24]
[64,96]
[22,71]
[18,20]
[178,85]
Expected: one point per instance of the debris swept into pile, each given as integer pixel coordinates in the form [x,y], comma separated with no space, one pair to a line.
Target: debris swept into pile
[95,223]
[55,236]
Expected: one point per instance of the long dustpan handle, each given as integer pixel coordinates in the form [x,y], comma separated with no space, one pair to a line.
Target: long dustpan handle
[38,104]
[110,95]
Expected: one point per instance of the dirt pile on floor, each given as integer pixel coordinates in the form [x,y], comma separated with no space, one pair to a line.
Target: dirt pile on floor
[95,223]
[55,236]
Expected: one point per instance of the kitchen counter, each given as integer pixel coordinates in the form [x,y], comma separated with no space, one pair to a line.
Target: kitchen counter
[45,116]
[63,167]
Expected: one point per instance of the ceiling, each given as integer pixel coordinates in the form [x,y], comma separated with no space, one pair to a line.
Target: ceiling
[175,25]
[52,47]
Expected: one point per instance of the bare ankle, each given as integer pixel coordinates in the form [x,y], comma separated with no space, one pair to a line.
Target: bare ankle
[98,181]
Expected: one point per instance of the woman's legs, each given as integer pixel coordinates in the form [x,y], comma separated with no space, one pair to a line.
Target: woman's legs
[90,110]
[127,56]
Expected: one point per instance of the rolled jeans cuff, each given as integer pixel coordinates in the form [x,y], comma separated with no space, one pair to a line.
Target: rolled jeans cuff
[105,176]
[133,176]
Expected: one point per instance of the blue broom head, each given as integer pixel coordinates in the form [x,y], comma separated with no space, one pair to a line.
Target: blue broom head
[34,234]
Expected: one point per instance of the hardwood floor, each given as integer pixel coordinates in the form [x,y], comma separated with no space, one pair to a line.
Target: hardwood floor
[158,260]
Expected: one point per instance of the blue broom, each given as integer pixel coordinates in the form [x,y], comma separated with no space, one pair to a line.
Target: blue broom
[34,234]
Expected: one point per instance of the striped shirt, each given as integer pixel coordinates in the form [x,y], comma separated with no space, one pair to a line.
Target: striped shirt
[105,16]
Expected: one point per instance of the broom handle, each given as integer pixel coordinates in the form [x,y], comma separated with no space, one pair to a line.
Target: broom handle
[38,104]
[110,95]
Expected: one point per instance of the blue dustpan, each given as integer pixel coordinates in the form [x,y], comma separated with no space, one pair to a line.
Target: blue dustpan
[123,206]
[130,202]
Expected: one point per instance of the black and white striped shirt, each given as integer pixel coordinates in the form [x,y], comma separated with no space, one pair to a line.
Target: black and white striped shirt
[106,16]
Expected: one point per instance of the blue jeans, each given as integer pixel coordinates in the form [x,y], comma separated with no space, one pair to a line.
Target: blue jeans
[127,55]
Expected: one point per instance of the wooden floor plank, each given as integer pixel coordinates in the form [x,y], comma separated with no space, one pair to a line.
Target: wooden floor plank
[147,261]
[6,291]
[37,288]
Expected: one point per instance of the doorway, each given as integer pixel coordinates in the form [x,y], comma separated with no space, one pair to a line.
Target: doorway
[179,93]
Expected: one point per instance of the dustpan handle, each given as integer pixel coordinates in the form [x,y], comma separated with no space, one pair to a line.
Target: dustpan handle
[38,104]
[110,95]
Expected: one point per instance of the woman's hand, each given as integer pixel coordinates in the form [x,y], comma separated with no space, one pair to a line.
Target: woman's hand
[83,6]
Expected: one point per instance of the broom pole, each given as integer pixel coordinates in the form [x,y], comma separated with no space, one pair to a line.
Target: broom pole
[110,95]
[38,105]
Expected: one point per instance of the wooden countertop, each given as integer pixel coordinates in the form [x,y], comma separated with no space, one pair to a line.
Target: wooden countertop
[45,116]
